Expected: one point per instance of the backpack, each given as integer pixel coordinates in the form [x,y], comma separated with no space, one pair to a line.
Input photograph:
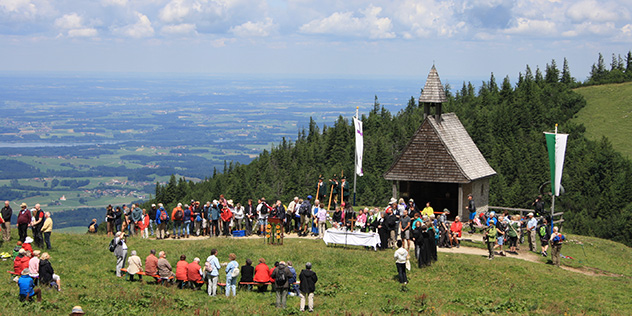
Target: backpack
[187,213]
[543,231]
[163,216]
[208,267]
[178,216]
[112,245]
[235,272]
[304,210]
[280,278]
[264,208]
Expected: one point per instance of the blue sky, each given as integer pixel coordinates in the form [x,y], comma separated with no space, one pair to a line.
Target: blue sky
[355,38]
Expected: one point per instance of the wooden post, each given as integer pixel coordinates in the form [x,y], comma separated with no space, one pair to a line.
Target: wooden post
[331,193]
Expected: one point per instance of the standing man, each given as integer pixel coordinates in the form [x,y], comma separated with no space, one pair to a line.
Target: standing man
[213,276]
[404,226]
[291,212]
[556,245]
[177,216]
[36,225]
[24,219]
[162,217]
[532,224]
[120,252]
[321,189]
[152,218]
[333,194]
[490,238]
[249,214]
[538,205]
[306,213]
[137,216]
[47,229]
[307,286]
[6,213]
[471,207]
[281,276]
[344,189]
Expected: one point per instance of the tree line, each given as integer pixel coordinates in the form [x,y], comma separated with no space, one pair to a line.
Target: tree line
[505,121]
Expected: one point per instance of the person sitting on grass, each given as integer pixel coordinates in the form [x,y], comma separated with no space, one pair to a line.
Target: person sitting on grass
[47,274]
[16,249]
[27,244]
[34,264]
[194,274]
[93,226]
[181,271]
[27,287]
[134,265]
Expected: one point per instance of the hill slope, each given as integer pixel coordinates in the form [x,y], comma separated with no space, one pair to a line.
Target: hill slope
[353,280]
[608,112]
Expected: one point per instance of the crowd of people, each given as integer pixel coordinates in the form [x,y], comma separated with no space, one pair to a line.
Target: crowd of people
[39,222]
[281,276]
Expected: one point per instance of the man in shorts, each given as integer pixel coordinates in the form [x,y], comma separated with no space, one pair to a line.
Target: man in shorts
[501,227]
[404,226]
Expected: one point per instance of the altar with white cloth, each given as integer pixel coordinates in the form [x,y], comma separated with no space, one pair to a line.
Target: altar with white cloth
[353,238]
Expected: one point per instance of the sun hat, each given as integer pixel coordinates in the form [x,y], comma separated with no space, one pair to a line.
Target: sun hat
[23,205]
[26,271]
[530,214]
[77,310]
[392,201]
[28,240]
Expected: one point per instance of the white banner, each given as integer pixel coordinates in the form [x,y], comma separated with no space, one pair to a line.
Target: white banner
[359,145]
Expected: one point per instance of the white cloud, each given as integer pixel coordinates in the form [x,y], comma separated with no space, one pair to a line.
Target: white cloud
[593,11]
[120,3]
[176,10]
[173,29]
[69,21]
[254,29]
[74,26]
[428,17]
[142,28]
[20,10]
[346,24]
[526,26]
[84,32]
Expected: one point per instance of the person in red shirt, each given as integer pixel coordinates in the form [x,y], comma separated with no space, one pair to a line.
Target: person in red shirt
[226,216]
[194,275]
[262,274]
[21,262]
[151,264]
[24,219]
[181,271]
[456,229]
[27,244]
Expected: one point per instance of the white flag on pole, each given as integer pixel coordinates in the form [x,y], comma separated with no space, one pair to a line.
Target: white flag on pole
[359,137]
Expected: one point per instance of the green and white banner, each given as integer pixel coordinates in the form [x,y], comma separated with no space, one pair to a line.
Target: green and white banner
[556,145]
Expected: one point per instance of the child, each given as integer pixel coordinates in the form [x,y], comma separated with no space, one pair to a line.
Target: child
[16,250]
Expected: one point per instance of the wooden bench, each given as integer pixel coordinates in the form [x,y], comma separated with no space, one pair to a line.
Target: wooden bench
[155,276]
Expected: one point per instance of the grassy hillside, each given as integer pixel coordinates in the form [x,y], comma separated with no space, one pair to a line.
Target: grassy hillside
[351,280]
[608,112]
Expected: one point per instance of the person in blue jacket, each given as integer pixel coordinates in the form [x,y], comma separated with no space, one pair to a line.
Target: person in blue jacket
[27,287]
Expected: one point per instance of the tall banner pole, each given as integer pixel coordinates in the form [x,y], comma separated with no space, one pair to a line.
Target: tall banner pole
[556,146]
[355,159]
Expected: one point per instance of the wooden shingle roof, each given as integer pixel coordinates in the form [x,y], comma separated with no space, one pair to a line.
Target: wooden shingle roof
[440,153]
[433,90]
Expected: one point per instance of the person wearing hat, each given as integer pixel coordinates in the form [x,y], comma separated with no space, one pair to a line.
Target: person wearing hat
[7,213]
[27,287]
[120,252]
[532,224]
[77,310]
[24,218]
[490,238]
[321,189]
[333,189]
[27,245]
[345,189]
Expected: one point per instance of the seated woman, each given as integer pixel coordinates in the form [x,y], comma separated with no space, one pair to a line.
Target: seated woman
[181,271]
[456,229]
[27,287]
[262,274]
[47,274]
[337,218]
[247,273]
[93,226]
[134,265]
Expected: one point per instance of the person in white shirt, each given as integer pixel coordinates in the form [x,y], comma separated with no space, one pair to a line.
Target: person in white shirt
[532,224]
[401,256]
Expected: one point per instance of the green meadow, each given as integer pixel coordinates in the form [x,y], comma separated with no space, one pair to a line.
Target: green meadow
[608,112]
[352,281]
